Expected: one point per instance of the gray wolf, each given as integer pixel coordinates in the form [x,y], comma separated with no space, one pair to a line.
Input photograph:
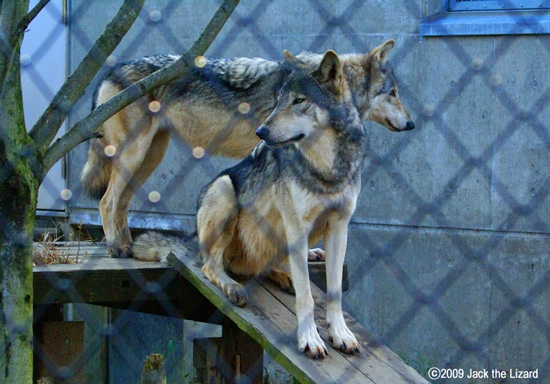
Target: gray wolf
[202,108]
[299,184]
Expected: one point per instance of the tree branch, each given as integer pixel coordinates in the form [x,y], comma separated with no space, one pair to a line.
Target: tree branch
[51,120]
[85,129]
[24,23]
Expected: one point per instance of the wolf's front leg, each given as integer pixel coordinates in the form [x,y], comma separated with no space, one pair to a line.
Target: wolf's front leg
[309,340]
[336,237]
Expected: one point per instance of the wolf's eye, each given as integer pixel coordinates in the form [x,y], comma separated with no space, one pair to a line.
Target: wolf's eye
[392,93]
[298,101]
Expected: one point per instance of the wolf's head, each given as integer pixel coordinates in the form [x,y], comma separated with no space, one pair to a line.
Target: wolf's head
[375,89]
[305,101]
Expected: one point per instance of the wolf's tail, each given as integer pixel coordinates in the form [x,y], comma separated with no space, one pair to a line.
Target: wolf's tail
[97,170]
[154,246]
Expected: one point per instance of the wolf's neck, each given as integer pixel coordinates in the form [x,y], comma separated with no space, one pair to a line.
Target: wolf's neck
[321,152]
[333,159]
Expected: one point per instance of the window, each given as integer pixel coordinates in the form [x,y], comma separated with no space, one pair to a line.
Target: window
[492,5]
[486,17]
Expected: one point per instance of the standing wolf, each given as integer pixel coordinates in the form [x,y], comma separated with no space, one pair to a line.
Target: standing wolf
[202,109]
[298,185]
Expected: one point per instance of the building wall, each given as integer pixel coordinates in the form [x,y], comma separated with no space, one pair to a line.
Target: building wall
[448,249]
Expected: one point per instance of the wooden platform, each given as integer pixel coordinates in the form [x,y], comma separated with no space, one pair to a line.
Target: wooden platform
[181,290]
[117,283]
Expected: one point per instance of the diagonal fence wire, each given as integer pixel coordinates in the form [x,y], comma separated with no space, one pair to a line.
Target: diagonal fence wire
[473,68]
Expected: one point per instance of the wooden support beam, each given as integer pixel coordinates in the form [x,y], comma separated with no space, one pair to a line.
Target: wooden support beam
[124,284]
[234,358]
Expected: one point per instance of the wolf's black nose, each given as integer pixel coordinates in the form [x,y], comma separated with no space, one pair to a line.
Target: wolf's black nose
[262,132]
[408,127]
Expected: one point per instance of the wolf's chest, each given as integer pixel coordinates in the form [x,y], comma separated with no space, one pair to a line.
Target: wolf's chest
[309,207]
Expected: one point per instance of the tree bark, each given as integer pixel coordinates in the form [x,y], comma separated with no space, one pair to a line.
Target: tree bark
[18,191]
[17,213]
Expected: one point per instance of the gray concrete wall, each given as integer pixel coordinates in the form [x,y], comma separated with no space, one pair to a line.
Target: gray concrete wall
[452,223]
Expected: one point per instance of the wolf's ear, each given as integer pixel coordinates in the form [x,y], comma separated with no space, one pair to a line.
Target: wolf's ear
[288,55]
[330,71]
[382,52]
[293,60]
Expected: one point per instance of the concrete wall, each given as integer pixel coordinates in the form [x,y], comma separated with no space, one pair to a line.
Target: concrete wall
[452,223]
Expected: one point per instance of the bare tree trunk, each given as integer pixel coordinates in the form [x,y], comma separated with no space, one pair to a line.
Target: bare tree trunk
[18,191]
[17,212]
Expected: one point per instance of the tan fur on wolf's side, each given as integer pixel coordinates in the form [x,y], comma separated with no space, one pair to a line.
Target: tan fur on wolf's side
[202,109]
[298,185]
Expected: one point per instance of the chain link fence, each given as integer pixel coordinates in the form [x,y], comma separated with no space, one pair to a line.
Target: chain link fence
[448,257]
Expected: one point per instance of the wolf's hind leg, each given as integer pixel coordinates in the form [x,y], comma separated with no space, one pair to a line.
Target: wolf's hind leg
[282,279]
[127,161]
[152,159]
[216,222]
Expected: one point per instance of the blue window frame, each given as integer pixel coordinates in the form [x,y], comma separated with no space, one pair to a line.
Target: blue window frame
[487,17]
[493,5]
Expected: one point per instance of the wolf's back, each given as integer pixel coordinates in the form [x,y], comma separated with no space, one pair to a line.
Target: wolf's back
[237,73]
[154,246]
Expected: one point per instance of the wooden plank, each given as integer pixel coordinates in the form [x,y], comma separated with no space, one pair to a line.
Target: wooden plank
[95,256]
[334,365]
[74,250]
[273,326]
[73,285]
[101,263]
[127,284]
[376,360]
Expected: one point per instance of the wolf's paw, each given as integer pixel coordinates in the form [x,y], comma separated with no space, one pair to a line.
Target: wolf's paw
[237,294]
[127,251]
[119,252]
[311,343]
[283,280]
[342,338]
[316,254]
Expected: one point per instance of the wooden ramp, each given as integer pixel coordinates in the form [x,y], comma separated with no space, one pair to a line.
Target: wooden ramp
[270,320]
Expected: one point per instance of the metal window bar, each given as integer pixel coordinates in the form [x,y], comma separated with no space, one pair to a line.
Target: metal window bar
[501,5]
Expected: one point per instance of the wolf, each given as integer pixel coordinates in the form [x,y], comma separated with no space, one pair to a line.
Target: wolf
[299,184]
[217,106]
